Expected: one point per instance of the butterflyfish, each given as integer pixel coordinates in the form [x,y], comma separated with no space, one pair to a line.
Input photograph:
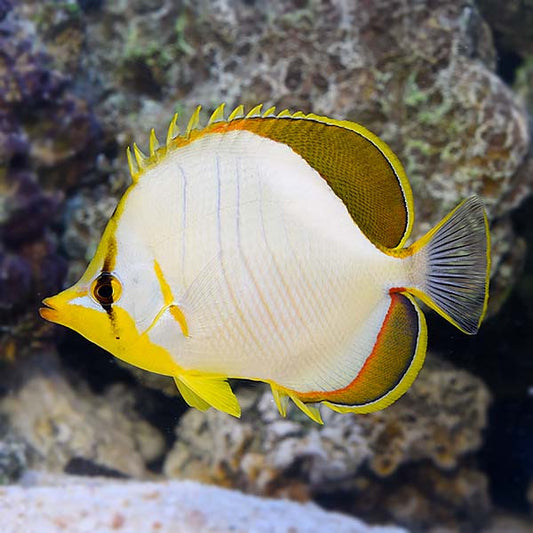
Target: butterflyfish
[271,247]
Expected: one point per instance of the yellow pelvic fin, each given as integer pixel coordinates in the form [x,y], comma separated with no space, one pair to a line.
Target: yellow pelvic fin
[310,410]
[213,390]
[281,399]
[190,396]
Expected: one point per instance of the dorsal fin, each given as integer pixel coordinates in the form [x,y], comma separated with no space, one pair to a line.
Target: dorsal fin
[359,167]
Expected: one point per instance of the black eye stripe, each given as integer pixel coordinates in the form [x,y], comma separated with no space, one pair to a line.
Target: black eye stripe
[103,290]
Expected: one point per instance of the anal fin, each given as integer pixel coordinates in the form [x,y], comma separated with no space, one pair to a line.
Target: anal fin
[281,399]
[212,391]
[192,399]
[310,410]
[394,363]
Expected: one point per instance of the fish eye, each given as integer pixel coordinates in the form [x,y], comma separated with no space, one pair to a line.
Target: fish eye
[106,289]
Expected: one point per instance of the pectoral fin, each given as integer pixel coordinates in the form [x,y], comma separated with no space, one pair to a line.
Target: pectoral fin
[204,391]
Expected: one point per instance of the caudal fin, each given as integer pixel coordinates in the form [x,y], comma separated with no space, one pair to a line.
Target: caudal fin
[455,259]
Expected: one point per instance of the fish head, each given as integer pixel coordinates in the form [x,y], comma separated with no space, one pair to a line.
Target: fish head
[115,302]
[92,309]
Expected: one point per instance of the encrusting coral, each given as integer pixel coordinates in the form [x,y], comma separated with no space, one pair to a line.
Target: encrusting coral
[440,421]
[69,427]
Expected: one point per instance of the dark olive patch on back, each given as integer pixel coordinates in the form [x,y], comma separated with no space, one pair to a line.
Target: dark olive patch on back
[360,169]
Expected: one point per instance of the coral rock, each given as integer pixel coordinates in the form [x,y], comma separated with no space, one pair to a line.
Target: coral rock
[66,427]
[166,507]
[513,20]
[439,421]
[13,454]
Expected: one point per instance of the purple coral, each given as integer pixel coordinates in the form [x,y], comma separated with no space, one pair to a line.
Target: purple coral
[44,134]
[28,211]
[5,8]
[15,281]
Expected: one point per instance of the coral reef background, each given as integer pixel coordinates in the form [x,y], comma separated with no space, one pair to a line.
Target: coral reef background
[446,83]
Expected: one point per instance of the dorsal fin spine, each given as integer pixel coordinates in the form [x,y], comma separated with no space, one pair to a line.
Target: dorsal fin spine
[217,115]
[193,121]
[238,112]
[281,398]
[154,143]
[310,410]
[270,112]
[140,157]
[255,111]
[134,169]
[173,130]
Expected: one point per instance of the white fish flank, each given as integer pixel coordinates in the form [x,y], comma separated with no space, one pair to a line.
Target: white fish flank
[274,278]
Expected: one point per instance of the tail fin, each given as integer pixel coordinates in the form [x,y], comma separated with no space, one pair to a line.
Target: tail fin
[455,259]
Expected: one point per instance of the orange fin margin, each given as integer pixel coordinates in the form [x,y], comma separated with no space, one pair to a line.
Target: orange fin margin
[389,371]
[394,363]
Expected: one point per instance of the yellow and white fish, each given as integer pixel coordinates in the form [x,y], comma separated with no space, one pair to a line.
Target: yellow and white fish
[270,247]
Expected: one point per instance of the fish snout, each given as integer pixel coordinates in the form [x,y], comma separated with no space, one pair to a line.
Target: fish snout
[48,311]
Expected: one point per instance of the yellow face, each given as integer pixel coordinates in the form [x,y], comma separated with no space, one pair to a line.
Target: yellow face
[89,309]
[101,306]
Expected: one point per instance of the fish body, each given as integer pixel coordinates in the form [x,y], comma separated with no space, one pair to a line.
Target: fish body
[271,247]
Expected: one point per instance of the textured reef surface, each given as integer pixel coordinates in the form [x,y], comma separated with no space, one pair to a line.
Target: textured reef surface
[446,84]
[168,507]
